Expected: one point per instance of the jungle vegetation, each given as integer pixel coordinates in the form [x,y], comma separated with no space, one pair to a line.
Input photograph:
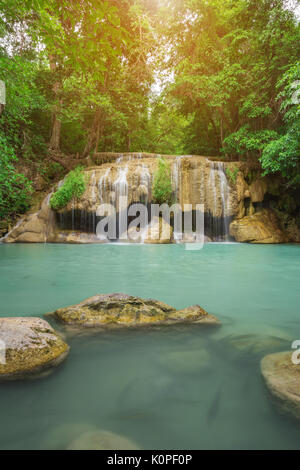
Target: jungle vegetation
[208,77]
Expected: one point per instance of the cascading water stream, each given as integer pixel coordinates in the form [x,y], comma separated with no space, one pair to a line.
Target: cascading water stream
[225,195]
[219,198]
[103,184]
[120,187]
[176,183]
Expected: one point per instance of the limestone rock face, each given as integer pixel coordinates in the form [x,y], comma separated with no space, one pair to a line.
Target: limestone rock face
[125,310]
[34,228]
[195,180]
[282,378]
[258,190]
[261,227]
[293,231]
[158,231]
[30,346]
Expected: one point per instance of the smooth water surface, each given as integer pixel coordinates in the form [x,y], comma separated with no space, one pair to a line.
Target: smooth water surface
[181,387]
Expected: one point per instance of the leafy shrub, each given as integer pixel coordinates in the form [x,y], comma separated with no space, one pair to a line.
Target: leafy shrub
[72,188]
[232,173]
[15,188]
[162,186]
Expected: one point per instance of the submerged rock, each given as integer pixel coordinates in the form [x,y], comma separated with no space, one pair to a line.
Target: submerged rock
[29,347]
[126,310]
[255,343]
[102,440]
[261,227]
[282,378]
[186,362]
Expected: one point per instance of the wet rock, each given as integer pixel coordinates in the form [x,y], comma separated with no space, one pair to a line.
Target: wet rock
[196,314]
[30,347]
[76,238]
[125,310]
[282,378]
[261,227]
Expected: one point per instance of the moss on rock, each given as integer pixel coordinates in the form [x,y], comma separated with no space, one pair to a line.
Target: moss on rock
[126,310]
[31,347]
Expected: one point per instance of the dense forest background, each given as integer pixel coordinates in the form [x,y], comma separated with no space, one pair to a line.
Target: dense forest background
[207,77]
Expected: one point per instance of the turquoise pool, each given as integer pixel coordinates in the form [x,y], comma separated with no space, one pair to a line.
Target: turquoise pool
[173,388]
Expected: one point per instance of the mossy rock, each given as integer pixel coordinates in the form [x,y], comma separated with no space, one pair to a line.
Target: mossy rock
[30,347]
[124,310]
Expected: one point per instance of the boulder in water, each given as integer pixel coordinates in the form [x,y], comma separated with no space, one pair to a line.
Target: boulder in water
[282,378]
[125,310]
[29,347]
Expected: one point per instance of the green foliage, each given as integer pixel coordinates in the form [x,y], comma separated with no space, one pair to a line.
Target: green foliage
[232,173]
[246,142]
[162,186]
[73,187]
[282,155]
[15,188]
[50,171]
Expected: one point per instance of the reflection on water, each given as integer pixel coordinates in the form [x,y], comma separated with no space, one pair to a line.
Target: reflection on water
[180,387]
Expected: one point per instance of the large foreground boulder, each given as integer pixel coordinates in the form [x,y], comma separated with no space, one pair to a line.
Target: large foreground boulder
[283,380]
[126,310]
[29,347]
[261,227]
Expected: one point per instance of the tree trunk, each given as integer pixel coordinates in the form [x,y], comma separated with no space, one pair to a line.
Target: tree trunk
[128,141]
[54,143]
[92,141]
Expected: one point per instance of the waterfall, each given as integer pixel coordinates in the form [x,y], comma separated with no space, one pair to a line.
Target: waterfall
[120,187]
[218,197]
[93,184]
[176,178]
[103,184]
[145,183]
[225,194]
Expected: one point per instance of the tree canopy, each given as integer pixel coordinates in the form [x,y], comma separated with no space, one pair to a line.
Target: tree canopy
[209,77]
